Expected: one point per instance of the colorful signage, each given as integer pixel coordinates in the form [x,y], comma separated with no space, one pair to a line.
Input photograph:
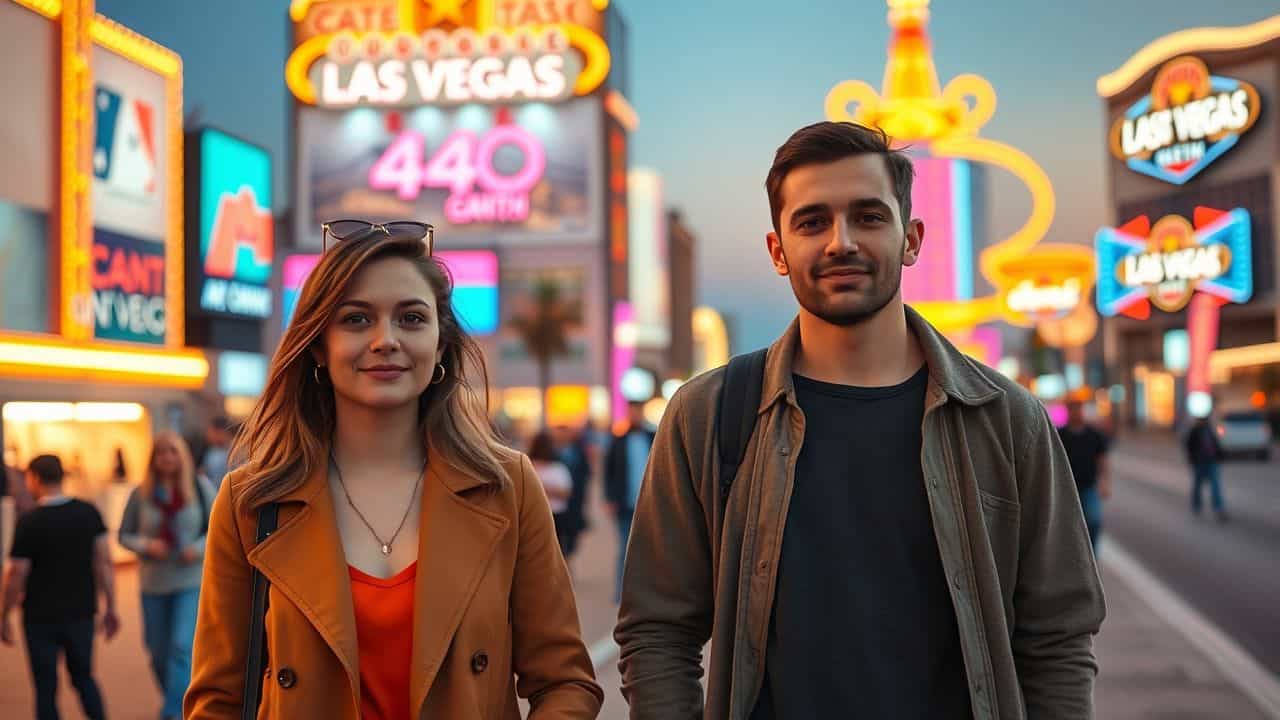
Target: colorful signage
[440,68]
[504,174]
[236,231]
[391,53]
[942,197]
[464,164]
[128,283]
[475,286]
[1189,120]
[1165,264]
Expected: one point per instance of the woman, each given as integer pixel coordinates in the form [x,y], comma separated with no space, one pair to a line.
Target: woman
[556,482]
[415,571]
[164,523]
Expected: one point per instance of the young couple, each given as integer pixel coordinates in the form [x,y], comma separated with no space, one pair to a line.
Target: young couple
[903,538]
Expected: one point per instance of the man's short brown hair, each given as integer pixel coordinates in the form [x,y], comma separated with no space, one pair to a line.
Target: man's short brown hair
[827,142]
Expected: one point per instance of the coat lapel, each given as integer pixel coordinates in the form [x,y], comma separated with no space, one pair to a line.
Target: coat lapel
[303,558]
[455,542]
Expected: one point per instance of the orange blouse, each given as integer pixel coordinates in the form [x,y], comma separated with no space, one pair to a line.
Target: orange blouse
[384,631]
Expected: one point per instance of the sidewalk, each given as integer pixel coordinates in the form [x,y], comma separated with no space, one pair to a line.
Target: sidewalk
[1149,669]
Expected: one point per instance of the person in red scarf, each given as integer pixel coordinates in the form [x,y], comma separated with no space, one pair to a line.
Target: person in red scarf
[165,523]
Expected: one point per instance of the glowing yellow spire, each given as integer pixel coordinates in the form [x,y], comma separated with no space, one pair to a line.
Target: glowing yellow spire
[910,72]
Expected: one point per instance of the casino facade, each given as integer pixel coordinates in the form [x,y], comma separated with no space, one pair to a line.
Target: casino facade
[1187,271]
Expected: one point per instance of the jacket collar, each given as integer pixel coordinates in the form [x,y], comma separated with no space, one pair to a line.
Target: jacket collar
[305,561]
[952,374]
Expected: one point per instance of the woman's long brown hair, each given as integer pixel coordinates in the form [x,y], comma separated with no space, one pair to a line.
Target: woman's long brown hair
[286,437]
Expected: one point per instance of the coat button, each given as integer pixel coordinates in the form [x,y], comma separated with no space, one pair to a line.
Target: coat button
[287,678]
[480,662]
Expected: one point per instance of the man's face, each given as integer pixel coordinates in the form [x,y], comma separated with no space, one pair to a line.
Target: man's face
[842,241]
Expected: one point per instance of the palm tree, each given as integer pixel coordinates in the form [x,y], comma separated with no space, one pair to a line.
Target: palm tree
[544,329]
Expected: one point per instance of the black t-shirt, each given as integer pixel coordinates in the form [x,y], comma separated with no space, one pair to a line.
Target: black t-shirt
[58,540]
[862,619]
[1083,447]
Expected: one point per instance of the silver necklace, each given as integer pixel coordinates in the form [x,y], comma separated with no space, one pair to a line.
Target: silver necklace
[384,544]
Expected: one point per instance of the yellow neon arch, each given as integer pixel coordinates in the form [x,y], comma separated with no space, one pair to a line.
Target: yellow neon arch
[913,108]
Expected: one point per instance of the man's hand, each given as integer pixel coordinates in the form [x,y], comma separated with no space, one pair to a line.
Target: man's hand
[6,631]
[189,555]
[157,549]
[110,624]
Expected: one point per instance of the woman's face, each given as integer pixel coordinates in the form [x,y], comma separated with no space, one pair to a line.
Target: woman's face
[382,345]
[167,461]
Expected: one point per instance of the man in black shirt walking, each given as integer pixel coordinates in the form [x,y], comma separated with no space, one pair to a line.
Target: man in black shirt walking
[1086,448]
[59,563]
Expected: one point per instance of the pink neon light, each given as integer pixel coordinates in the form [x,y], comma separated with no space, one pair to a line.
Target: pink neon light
[623,357]
[471,268]
[933,277]
[296,269]
[535,160]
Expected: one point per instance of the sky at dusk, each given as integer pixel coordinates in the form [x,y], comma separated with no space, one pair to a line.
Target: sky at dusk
[718,85]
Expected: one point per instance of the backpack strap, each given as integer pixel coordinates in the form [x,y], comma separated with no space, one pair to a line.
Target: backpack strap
[204,506]
[256,658]
[736,415]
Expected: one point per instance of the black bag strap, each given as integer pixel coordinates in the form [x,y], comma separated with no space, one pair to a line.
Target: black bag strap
[204,506]
[256,658]
[736,416]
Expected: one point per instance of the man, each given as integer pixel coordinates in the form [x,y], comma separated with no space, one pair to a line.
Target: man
[214,465]
[59,557]
[1204,453]
[1086,450]
[903,538]
[624,474]
[572,449]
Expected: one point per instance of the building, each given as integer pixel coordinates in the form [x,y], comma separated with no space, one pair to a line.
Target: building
[682,248]
[1187,272]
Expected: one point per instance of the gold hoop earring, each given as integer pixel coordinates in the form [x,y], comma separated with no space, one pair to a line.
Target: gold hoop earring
[443,372]
[315,373]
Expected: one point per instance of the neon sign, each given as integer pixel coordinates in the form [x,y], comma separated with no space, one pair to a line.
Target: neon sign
[236,230]
[441,68]
[1165,264]
[463,163]
[1189,120]
[1033,298]
[128,288]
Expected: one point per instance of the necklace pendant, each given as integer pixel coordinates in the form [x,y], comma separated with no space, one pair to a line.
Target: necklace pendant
[386,549]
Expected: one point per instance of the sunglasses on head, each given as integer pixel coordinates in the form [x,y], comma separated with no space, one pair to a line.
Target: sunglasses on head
[341,230]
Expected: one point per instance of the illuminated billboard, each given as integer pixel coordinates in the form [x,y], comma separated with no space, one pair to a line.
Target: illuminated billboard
[1189,119]
[230,228]
[942,197]
[390,53]
[475,286]
[128,281]
[1140,264]
[495,174]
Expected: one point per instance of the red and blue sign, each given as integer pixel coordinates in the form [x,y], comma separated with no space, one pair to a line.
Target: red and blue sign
[1140,264]
[124,147]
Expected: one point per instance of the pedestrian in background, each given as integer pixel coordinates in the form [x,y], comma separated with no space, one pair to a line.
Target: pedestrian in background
[572,449]
[1087,449]
[214,465]
[414,571]
[1204,453]
[897,536]
[556,482]
[165,522]
[623,475]
[60,563]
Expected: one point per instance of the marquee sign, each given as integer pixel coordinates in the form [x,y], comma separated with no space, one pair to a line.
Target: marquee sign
[407,53]
[1165,264]
[1189,120]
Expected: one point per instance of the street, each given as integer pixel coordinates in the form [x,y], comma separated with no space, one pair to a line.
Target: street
[1150,667]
